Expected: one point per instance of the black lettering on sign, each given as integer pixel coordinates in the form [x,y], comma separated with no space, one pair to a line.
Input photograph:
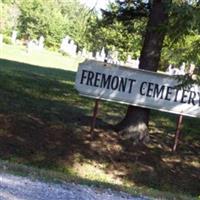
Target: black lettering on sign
[150,89]
[122,84]
[90,78]
[131,84]
[176,95]
[158,91]
[97,79]
[142,88]
[83,76]
[192,98]
[168,93]
[184,96]
[115,83]
[105,81]
[199,97]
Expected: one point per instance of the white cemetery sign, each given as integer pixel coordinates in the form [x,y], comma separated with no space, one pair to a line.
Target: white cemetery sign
[137,87]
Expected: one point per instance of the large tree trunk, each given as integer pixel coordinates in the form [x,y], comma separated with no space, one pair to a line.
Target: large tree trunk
[134,126]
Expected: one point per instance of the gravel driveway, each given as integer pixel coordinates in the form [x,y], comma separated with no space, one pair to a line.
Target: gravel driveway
[20,188]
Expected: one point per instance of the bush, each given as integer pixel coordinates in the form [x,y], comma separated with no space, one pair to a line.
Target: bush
[7,39]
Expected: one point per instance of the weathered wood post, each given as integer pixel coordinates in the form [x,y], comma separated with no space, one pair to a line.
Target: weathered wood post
[178,130]
[95,112]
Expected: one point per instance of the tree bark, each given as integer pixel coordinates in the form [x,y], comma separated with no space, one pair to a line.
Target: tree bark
[134,126]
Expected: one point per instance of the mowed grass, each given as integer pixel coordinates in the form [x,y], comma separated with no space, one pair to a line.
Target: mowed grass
[43,57]
[44,123]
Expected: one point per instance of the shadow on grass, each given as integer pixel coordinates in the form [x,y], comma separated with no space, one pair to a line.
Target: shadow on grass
[40,114]
[45,123]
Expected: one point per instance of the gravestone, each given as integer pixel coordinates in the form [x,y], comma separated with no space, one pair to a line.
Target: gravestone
[14,37]
[72,48]
[176,71]
[1,40]
[182,69]
[84,52]
[41,43]
[98,56]
[68,46]
[191,69]
[103,54]
[112,57]
[89,55]
[32,45]
[64,43]
[131,62]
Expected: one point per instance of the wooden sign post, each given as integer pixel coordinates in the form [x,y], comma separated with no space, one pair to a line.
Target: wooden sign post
[178,130]
[94,116]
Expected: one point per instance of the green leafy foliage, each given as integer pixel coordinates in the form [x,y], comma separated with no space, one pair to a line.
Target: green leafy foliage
[9,17]
[113,34]
[183,35]
[76,17]
[53,19]
[41,18]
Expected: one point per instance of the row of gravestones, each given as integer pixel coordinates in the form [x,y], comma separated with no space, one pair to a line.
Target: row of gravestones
[32,44]
[68,46]
[171,70]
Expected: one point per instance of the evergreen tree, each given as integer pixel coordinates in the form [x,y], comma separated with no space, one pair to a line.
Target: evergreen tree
[162,16]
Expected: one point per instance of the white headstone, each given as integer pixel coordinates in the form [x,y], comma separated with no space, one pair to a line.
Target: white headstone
[170,70]
[98,56]
[64,44]
[103,54]
[182,69]
[79,53]
[115,57]
[41,42]
[191,69]
[89,55]
[14,37]
[1,40]
[129,59]
[84,52]
[132,63]
[112,57]
[68,46]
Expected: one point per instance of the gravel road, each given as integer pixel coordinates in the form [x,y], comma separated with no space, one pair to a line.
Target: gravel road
[21,188]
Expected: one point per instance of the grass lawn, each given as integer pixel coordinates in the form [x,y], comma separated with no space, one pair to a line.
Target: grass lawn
[44,123]
[43,58]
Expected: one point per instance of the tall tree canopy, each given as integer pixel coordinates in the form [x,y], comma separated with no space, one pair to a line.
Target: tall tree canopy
[53,19]
[169,25]
[182,30]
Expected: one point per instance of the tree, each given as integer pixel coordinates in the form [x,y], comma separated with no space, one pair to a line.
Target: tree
[115,35]
[9,16]
[53,19]
[40,17]
[135,123]
[76,17]
[183,36]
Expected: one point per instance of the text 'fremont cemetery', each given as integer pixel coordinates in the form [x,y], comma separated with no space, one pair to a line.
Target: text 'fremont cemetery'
[136,87]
